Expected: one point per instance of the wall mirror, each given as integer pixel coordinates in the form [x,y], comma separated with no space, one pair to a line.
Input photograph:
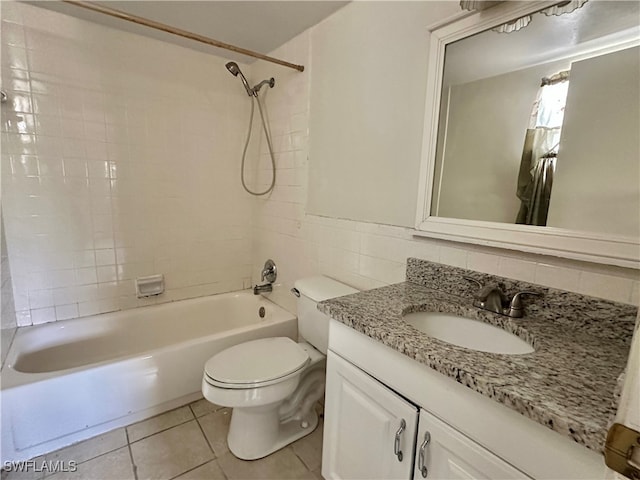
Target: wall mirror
[532,130]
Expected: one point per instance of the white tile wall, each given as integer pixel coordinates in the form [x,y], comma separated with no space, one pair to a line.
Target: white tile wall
[119,159]
[368,255]
[7,314]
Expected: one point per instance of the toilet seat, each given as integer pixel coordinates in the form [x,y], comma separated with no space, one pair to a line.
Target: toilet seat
[256,363]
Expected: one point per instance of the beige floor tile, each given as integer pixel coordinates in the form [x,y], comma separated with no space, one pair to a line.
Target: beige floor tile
[170,453]
[113,465]
[309,448]
[317,474]
[208,471]
[216,426]
[31,470]
[159,423]
[280,465]
[203,406]
[83,451]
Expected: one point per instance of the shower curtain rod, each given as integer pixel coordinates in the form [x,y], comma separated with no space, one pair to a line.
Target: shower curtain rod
[181,33]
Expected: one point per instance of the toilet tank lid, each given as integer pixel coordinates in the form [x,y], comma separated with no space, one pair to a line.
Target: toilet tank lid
[321,288]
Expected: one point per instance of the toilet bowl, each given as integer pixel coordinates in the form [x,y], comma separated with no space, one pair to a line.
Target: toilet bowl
[273,384]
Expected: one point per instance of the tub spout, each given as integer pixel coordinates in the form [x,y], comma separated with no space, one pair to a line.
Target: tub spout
[258,289]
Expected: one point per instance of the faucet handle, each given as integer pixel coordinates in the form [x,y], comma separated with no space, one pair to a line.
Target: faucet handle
[516,309]
[269,271]
[473,280]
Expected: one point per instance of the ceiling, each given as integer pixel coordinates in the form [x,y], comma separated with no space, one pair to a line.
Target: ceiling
[261,26]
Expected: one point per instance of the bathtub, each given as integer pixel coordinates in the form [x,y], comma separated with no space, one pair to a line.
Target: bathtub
[66,381]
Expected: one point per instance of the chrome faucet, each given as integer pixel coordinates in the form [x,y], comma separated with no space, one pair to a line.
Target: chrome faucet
[269,273]
[492,298]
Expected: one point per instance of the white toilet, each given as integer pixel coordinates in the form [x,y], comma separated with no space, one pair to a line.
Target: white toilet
[272,384]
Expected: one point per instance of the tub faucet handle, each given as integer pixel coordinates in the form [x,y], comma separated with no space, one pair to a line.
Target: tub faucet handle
[269,271]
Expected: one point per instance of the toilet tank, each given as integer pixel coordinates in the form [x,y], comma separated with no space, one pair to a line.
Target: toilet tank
[313,325]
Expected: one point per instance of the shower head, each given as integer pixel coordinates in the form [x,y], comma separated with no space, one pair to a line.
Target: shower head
[233,68]
[235,71]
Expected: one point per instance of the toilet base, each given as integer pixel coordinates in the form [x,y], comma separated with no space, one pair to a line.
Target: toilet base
[256,432]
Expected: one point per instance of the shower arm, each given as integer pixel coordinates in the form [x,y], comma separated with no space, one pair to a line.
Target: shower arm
[271,82]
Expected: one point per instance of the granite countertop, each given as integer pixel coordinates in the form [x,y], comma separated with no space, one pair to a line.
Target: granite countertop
[567,384]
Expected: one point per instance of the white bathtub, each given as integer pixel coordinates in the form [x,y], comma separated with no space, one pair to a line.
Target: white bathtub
[66,381]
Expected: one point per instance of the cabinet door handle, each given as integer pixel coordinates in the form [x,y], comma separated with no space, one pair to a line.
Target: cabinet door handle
[423,454]
[396,444]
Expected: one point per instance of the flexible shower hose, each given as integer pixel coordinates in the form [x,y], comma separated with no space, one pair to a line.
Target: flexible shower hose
[246,145]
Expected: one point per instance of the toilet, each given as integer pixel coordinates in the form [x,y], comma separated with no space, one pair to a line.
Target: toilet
[272,384]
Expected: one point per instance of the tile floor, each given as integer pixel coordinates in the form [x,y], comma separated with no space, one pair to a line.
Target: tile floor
[189,442]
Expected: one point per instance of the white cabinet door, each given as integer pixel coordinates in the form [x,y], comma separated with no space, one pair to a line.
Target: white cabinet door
[448,454]
[362,421]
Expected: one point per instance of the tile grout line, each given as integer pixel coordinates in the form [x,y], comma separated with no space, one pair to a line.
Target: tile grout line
[215,456]
[299,458]
[219,407]
[133,463]
[164,429]
[194,468]
[88,459]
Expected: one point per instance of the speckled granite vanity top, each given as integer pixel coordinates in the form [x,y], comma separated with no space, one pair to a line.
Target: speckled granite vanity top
[581,345]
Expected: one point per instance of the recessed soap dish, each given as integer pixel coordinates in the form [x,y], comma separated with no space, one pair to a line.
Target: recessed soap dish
[149,286]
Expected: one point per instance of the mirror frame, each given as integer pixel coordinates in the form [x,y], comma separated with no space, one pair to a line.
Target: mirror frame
[622,251]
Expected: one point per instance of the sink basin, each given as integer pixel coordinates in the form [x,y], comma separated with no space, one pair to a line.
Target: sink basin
[467,333]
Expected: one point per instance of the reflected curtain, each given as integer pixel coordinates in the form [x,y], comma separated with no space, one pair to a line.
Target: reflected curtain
[538,162]
[535,177]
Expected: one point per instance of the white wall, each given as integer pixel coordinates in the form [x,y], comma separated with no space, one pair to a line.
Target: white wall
[596,187]
[368,254]
[119,159]
[369,63]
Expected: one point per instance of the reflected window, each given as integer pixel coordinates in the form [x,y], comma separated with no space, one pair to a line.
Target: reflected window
[540,151]
[548,111]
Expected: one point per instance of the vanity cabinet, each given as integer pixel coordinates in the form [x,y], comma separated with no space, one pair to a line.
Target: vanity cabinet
[367,425]
[369,430]
[472,435]
[448,454]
